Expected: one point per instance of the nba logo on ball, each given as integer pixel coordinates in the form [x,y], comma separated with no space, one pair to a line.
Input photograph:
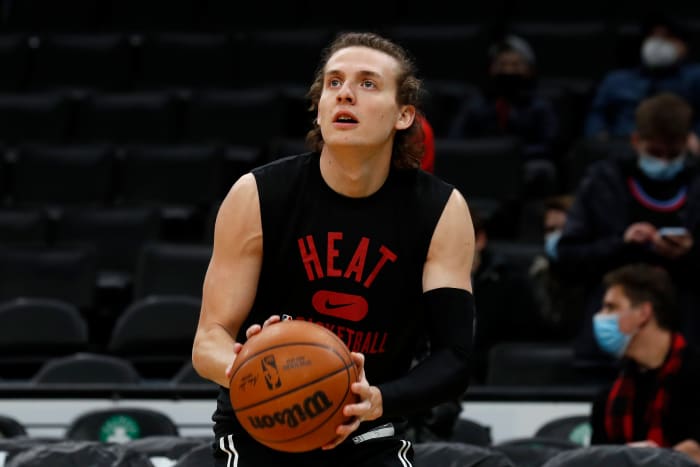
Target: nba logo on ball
[289,384]
[272,376]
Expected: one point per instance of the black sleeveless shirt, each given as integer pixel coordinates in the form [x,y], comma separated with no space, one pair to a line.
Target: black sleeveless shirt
[353,265]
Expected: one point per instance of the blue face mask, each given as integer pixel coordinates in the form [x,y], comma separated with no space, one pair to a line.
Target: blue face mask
[551,240]
[607,333]
[660,169]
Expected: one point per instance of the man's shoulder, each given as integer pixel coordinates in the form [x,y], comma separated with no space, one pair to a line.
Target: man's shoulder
[623,74]
[284,163]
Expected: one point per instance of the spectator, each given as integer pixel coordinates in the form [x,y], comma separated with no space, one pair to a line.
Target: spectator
[560,301]
[509,105]
[653,401]
[428,161]
[621,205]
[664,67]
[506,304]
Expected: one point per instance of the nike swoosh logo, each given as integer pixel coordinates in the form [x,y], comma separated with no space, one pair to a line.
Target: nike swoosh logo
[340,305]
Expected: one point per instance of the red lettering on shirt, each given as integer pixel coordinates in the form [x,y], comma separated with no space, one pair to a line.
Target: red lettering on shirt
[310,256]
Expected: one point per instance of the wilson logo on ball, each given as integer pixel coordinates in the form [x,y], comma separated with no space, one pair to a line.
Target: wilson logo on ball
[312,407]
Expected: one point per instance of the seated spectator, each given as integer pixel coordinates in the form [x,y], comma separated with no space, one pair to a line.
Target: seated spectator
[560,301]
[653,401]
[664,67]
[428,161]
[505,300]
[509,105]
[621,206]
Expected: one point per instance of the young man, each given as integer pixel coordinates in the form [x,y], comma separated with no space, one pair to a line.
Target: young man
[622,209]
[653,402]
[355,237]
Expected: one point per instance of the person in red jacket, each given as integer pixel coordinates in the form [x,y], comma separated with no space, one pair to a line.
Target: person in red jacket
[428,161]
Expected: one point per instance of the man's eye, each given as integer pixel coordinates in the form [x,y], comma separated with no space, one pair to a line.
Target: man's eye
[368,84]
[334,83]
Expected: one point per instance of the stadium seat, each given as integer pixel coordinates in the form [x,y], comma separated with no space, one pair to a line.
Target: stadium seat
[530,364]
[127,118]
[251,117]
[451,454]
[14,55]
[620,456]
[117,235]
[69,453]
[60,176]
[167,449]
[61,273]
[11,428]
[560,45]
[482,168]
[575,428]
[155,349]
[184,61]
[44,16]
[200,456]
[120,425]
[86,368]
[533,452]
[171,269]
[279,56]
[585,152]
[103,62]
[35,117]
[27,226]
[442,101]
[465,43]
[25,346]
[136,16]
[181,181]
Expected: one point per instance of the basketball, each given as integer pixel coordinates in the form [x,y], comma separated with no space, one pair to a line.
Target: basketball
[289,384]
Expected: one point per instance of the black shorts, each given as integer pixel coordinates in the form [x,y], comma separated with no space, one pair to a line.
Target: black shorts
[378,447]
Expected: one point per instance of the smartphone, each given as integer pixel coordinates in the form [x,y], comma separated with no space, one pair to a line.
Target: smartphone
[673,231]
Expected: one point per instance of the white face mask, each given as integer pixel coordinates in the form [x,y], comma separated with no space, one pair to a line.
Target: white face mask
[659,52]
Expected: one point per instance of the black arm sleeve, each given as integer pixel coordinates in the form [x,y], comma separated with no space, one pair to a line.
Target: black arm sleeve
[444,374]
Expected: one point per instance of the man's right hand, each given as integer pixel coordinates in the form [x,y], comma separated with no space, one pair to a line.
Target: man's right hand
[251,331]
[640,232]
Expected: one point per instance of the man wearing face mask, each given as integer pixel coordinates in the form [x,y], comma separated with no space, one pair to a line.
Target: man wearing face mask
[663,68]
[641,208]
[509,105]
[560,301]
[653,400]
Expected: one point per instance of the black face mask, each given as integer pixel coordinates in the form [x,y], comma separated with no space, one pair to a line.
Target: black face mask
[511,86]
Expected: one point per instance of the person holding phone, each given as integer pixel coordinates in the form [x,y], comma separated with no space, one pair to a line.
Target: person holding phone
[642,208]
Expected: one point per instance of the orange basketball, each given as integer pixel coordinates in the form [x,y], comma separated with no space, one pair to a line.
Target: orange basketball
[289,385]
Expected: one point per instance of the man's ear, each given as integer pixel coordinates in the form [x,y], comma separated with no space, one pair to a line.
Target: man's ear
[635,139]
[406,117]
[646,312]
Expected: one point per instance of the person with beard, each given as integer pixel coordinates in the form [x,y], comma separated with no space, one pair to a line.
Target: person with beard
[509,105]
[641,208]
[664,67]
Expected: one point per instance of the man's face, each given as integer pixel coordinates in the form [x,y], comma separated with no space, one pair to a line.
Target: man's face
[615,301]
[510,63]
[358,102]
[661,149]
[554,219]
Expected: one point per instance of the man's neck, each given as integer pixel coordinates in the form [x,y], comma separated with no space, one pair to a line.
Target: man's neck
[353,174]
[650,347]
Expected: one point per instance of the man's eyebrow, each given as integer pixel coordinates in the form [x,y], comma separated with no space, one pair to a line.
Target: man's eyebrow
[364,73]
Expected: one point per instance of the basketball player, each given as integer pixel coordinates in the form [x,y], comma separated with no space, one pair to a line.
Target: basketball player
[355,237]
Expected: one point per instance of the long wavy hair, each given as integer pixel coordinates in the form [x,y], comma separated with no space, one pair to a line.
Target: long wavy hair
[408,147]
